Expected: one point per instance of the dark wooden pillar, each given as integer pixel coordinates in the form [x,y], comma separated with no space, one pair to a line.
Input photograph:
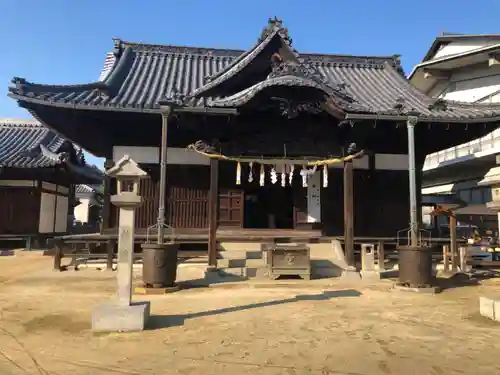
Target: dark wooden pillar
[212,212]
[56,197]
[381,255]
[106,208]
[110,252]
[58,255]
[349,213]
[71,208]
[453,243]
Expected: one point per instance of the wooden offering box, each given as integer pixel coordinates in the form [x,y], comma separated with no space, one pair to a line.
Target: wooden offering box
[288,259]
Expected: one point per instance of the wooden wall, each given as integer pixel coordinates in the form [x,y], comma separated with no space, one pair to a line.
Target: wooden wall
[33,207]
[19,210]
[381,205]
[186,197]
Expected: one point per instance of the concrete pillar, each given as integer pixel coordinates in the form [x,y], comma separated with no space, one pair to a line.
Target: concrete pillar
[125,255]
[368,270]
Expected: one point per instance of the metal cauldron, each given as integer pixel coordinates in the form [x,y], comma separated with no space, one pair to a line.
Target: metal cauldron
[415,265]
[159,264]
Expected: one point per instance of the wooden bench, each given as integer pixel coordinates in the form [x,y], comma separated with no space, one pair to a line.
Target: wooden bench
[61,250]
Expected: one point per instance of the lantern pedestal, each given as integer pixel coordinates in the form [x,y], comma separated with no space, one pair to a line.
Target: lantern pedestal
[123,315]
[115,317]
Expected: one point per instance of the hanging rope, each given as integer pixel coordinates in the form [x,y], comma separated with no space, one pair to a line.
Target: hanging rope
[202,149]
[440,210]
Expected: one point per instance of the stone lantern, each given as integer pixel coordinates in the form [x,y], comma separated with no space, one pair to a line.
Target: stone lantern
[492,179]
[122,314]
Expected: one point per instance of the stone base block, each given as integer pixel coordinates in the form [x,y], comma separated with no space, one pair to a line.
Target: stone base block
[224,276]
[113,317]
[350,274]
[425,290]
[490,308]
[212,275]
[326,272]
[370,275]
[156,291]
[442,274]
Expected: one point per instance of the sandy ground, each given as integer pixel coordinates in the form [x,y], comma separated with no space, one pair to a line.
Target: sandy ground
[295,328]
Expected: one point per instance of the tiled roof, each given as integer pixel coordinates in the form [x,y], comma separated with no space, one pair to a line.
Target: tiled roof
[28,144]
[144,74]
[21,142]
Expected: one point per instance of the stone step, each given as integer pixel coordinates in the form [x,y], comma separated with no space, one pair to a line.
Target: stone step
[255,263]
[239,254]
[197,260]
[246,272]
[233,271]
[230,263]
[248,246]
[489,308]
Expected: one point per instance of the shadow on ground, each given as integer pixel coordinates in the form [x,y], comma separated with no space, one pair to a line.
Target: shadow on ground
[461,280]
[456,281]
[6,253]
[164,321]
[453,281]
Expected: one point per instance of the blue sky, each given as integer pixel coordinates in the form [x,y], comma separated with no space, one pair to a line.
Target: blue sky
[65,41]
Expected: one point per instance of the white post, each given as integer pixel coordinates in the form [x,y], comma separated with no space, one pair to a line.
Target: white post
[463,259]
[498,229]
[414,227]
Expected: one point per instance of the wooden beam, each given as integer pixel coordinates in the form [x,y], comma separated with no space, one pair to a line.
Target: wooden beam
[436,74]
[213,197]
[208,110]
[349,213]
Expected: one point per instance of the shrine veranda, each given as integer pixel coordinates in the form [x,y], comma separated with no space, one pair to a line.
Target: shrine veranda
[263,144]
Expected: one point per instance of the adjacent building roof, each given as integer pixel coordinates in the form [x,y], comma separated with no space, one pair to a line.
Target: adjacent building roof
[446,38]
[458,60]
[87,189]
[84,189]
[21,143]
[28,144]
[143,75]
[466,50]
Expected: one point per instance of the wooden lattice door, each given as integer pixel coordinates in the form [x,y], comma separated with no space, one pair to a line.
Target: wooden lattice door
[230,208]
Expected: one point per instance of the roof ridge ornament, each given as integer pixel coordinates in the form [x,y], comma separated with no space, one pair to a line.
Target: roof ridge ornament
[275,24]
[174,99]
[439,104]
[117,47]
[281,68]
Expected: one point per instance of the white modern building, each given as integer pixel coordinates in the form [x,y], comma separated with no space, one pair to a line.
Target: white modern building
[87,210]
[463,68]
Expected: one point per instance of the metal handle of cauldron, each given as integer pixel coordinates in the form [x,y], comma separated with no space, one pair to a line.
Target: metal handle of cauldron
[424,237]
[166,226]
